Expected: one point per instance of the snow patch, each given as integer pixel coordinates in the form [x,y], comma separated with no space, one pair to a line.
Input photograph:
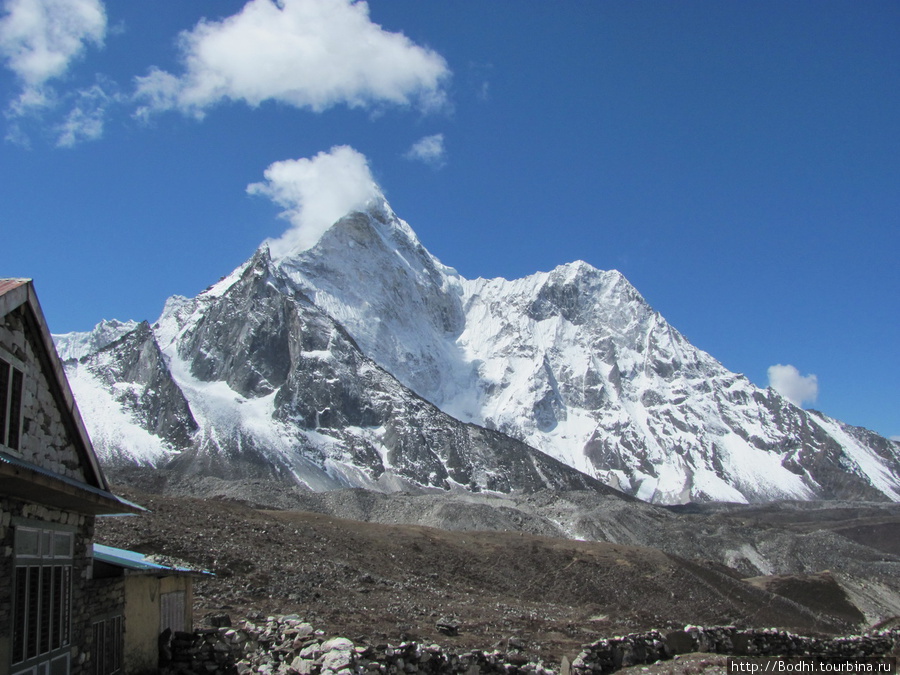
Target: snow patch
[116,434]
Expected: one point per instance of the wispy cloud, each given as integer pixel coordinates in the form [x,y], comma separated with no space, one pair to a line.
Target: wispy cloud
[796,388]
[429,149]
[313,54]
[86,118]
[39,39]
[315,193]
[479,77]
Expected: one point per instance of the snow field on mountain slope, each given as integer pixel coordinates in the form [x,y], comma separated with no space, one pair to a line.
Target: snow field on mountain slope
[109,426]
[868,464]
[518,361]
[519,380]
[76,345]
[223,414]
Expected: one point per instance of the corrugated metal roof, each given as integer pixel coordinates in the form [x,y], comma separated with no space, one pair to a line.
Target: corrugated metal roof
[133,560]
[124,558]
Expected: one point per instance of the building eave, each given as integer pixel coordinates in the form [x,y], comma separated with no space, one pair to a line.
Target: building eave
[26,481]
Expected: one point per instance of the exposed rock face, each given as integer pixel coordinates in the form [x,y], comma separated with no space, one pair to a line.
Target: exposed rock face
[127,372]
[135,360]
[281,390]
[364,361]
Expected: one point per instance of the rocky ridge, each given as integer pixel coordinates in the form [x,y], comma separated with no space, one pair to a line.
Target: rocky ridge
[257,381]
[363,361]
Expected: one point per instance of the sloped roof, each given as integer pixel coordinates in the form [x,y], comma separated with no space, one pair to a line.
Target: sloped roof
[20,293]
[30,482]
[138,562]
[10,284]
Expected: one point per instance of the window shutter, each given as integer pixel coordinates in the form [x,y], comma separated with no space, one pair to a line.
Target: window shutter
[11,384]
[4,398]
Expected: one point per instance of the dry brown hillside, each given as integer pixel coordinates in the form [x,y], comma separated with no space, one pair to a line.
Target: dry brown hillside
[374,583]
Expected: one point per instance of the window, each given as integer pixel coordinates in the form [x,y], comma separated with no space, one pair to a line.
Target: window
[108,639]
[42,595]
[11,382]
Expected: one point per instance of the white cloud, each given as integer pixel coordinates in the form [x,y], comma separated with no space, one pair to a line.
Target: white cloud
[797,388]
[429,149]
[307,53]
[895,438]
[40,38]
[85,121]
[315,193]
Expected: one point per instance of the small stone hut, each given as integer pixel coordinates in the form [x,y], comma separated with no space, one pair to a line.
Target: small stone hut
[156,597]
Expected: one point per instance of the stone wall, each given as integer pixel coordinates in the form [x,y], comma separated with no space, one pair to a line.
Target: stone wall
[608,655]
[289,646]
[45,440]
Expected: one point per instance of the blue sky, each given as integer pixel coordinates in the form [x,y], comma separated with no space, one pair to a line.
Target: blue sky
[738,162]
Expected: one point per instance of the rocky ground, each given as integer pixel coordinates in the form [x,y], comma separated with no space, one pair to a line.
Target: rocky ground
[686,664]
[374,582]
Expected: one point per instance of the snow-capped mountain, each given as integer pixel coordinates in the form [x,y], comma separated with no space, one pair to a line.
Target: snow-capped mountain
[365,361]
[74,345]
[250,379]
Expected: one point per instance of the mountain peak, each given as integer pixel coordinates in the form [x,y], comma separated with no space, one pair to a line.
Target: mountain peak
[76,345]
[366,353]
[295,243]
[576,290]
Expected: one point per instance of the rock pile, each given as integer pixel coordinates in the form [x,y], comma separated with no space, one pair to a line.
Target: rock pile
[608,655]
[287,645]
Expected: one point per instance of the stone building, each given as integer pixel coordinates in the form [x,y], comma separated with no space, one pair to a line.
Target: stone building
[156,598]
[55,617]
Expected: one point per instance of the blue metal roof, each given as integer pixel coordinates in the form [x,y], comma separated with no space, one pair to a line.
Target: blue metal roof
[132,560]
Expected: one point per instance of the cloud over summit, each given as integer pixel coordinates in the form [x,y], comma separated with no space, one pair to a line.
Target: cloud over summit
[315,193]
[312,54]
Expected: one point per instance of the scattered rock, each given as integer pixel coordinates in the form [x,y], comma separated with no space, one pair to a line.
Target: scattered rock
[447,626]
[268,650]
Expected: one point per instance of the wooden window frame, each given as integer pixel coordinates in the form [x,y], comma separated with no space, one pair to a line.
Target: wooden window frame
[109,645]
[12,389]
[43,577]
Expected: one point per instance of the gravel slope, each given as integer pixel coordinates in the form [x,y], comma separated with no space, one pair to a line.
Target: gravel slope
[373,582]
